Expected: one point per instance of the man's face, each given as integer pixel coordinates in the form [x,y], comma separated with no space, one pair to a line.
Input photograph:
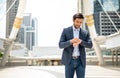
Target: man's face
[77,22]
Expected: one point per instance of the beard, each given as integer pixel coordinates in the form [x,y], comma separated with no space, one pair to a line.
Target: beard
[77,26]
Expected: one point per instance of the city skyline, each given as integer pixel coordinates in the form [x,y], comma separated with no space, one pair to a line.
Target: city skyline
[52,19]
[28,31]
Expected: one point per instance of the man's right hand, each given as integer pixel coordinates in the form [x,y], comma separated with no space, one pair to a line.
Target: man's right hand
[75,41]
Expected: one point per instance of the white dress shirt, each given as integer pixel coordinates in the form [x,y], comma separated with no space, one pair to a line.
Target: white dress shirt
[76,35]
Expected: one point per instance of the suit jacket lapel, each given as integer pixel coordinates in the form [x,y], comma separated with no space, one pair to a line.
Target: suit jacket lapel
[71,32]
[80,33]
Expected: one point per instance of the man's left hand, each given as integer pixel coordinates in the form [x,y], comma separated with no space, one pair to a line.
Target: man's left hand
[78,41]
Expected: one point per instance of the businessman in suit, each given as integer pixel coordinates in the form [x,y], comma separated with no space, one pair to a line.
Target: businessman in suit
[74,40]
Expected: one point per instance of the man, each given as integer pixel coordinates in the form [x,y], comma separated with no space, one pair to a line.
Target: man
[74,40]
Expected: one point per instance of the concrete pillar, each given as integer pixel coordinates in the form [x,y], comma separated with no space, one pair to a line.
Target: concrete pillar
[8,48]
[15,29]
[90,23]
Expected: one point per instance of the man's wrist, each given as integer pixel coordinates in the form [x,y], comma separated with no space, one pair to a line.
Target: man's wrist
[71,42]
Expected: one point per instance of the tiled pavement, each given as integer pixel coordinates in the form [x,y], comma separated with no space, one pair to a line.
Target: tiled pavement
[56,72]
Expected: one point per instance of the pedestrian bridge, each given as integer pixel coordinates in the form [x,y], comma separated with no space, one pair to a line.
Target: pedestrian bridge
[111,42]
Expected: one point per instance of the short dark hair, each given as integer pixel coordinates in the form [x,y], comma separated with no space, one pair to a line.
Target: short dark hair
[78,15]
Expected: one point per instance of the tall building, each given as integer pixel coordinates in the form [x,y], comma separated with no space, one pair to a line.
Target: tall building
[10,15]
[97,6]
[111,5]
[29,37]
[26,34]
[25,23]
[103,24]
[27,19]
[107,4]
[119,5]
[35,26]
[28,31]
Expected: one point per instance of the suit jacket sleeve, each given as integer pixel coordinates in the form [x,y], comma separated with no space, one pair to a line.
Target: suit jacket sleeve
[63,43]
[87,42]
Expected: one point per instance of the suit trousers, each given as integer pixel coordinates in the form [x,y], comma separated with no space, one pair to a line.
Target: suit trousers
[75,66]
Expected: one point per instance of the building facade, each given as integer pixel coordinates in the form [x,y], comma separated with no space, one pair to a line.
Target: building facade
[35,26]
[97,7]
[28,31]
[26,34]
[103,24]
[10,15]
[109,5]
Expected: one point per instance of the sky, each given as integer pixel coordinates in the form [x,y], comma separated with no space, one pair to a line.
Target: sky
[52,16]
[2,19]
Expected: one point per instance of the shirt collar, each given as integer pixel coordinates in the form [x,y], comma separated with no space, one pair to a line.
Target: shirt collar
[75,28]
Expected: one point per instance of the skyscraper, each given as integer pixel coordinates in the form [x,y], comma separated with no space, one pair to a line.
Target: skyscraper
[103,24]
[109,5]
[10,15]
[28,31]
[119,5]
[97,6]
[26,34]
[35,26]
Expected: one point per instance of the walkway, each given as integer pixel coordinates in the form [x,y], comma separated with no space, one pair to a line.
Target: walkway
[56,72]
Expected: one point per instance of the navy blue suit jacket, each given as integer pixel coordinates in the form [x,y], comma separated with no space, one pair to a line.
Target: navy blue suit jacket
[64,43]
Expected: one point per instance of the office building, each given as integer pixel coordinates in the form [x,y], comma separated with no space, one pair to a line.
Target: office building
[103,24]
[10,15]
[26,34]
[28,31]
[109,5]
[35,26]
